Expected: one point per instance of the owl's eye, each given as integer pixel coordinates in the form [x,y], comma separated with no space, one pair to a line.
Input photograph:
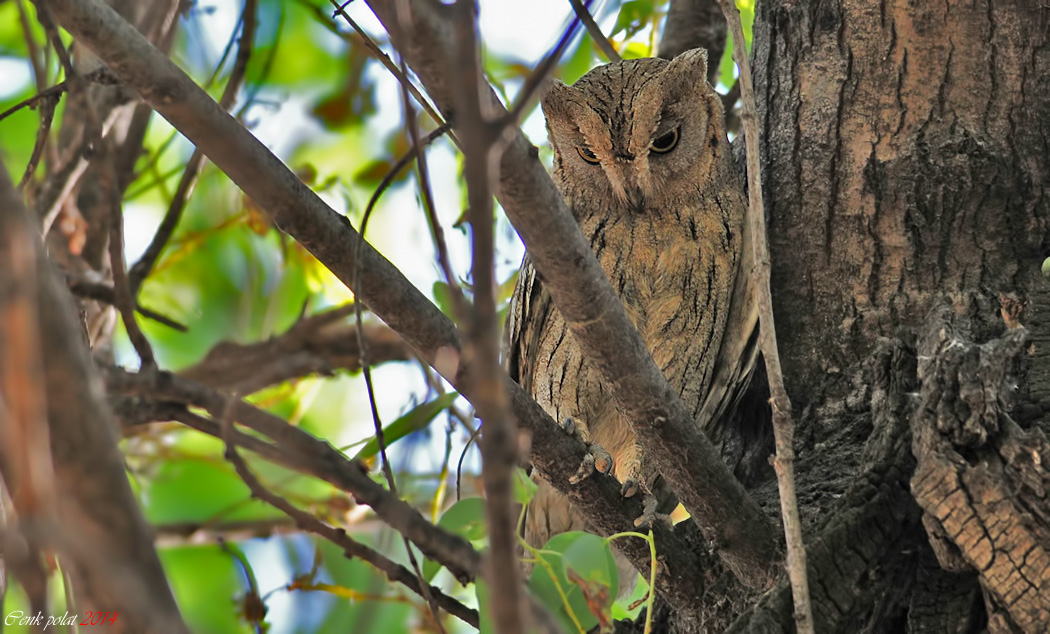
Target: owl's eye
[665,142]
[587,155]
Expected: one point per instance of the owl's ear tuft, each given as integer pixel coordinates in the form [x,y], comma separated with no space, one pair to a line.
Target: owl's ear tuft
[689,67]
[555,102]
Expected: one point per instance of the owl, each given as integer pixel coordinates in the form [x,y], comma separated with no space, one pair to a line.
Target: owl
[642,160]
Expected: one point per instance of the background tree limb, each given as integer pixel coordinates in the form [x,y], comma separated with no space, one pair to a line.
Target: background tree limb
[112,546]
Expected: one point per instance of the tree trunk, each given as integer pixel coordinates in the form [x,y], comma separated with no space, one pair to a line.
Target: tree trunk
[906,163]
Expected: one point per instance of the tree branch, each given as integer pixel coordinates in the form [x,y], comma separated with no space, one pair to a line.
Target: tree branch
[319,344]
[584,15]
[104,293]
[329,237]
[981,479]
[499,437]
[92,490]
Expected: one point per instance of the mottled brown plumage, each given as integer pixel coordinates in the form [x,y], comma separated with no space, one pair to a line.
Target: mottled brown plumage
[642,159]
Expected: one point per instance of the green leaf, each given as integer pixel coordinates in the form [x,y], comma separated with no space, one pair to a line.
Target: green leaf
[1046,267]
[465,518]
[584,569]
[443,298]
[524,487]
[591,558]
[418,418]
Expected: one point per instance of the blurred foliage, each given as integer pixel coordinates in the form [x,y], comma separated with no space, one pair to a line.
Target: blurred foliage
[318,98]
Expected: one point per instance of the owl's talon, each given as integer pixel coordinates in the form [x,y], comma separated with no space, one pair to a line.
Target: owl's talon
[597,459]
[569,425]
[603,462]
[650,516]
[585,469]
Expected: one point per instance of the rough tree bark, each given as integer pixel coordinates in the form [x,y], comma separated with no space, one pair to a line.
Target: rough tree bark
[906,166]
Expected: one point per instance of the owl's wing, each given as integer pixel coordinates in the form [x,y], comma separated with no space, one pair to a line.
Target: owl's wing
[530,307]
[739,350]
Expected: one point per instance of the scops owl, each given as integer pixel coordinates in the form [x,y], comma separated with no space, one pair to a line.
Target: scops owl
[642,160]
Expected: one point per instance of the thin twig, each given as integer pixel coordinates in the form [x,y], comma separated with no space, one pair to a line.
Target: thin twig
[595,31]
[352,549]
[388,473]
[462,456]
[385,60]
[104,293]
[437,233]
[125,301]
[47,116]
[32,48]
[418,153]
[783,426]
[499,431]
[99,75]
[434,381]
[141,270]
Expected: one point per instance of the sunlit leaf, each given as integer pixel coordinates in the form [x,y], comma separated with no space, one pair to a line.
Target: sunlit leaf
[416,419]
[466,518]
[635,50]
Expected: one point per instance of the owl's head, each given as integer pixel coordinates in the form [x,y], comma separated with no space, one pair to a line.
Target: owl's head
[641,132]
